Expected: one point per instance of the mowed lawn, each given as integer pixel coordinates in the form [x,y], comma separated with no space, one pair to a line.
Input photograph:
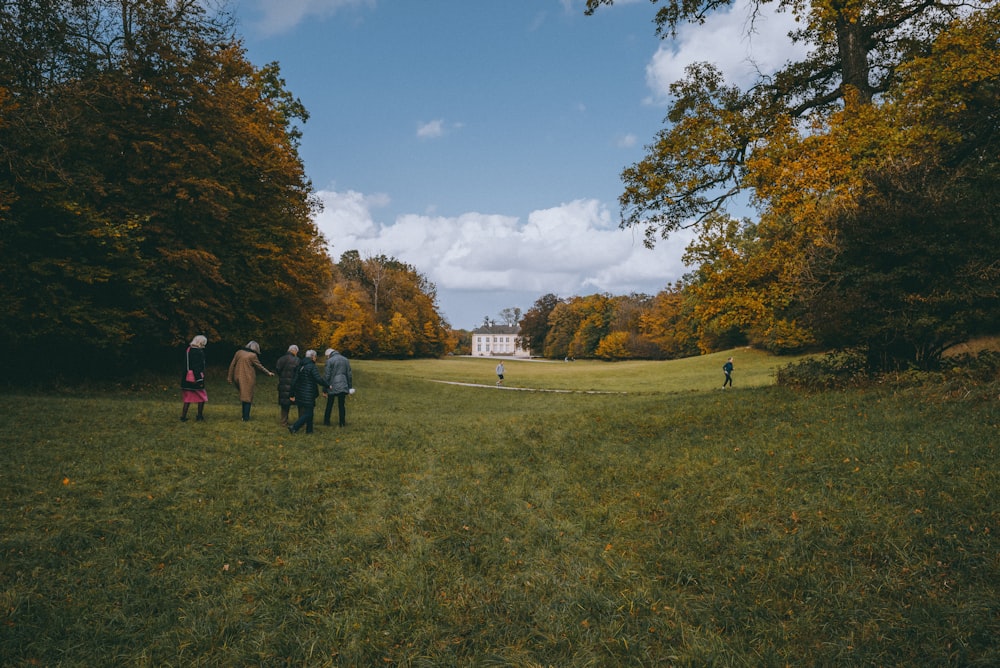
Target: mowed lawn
[662,521]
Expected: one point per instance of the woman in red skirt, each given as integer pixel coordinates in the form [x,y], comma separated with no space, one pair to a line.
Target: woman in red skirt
[193,381]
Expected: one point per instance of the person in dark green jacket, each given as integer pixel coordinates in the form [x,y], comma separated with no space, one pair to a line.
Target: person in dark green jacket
[305,392]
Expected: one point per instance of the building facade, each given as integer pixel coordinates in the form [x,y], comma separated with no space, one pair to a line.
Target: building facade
[497,341]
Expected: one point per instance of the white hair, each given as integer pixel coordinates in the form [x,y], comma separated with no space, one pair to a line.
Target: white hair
[311,354]
[199,341]
[293,348]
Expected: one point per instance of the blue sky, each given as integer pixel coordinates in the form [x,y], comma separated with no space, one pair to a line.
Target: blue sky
[482,141]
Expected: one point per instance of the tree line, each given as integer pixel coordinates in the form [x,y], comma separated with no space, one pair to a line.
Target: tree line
[151,189]
[873,163]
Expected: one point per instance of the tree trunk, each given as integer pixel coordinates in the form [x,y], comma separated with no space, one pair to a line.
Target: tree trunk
[853,47]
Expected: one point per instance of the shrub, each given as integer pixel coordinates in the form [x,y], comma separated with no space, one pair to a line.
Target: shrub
[834,370]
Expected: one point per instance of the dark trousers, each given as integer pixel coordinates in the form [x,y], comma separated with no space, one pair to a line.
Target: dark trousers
[305,418]
[246,410]
[728,381]
[341,408]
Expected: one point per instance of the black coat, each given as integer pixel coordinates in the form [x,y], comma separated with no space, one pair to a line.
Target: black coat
[307,378]
[286,367]
[195,361]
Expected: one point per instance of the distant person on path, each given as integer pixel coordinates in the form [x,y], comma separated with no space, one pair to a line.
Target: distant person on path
[193,382]
[500,374]
[340,383]
[286,367]
[727,368]
[305,392]
[243,373]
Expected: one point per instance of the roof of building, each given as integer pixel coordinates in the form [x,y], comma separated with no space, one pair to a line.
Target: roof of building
[497,329]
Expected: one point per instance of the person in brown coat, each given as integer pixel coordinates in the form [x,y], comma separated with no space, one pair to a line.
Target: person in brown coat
[243,373]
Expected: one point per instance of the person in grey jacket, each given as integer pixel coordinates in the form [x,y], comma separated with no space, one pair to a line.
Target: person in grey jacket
[305,392]
[337,376]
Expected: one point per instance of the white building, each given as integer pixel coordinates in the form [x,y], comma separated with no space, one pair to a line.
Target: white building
[497,340]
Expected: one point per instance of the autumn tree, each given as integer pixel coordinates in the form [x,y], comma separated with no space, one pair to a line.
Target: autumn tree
[913,267]
[406,321]
[153,183]
[697,164]
[535,324]
[669,323]
[846,249]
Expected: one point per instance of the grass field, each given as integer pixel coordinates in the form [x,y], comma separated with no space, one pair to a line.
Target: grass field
[664,523]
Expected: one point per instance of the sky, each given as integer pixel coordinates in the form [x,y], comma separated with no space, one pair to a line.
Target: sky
[482,141]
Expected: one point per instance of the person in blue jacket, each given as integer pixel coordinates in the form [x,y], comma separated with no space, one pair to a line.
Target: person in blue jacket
[727,369]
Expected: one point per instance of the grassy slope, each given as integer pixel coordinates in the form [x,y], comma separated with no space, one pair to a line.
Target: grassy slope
[450,524]
[753,369]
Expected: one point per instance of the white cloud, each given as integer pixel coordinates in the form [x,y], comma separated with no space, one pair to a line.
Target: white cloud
[274,17]
[724,40]
[431,130]
[436,128]
[348,214]
[626,141]
[575,248]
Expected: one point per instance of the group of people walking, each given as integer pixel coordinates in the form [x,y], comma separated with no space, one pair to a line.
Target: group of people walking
[300,382]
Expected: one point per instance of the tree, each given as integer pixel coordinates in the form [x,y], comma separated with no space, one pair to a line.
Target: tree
[576,326]
[873,164]
[407,322]
[747,285]
[914,265]
[698,163]
[878,230]
[670,324]
[535,324]
[510,316]
[153,183]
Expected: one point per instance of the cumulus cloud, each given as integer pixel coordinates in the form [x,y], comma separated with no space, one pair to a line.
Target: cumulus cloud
[575,248]
[739,44]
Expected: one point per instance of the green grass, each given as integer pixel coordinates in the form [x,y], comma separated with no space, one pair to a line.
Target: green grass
[453,525]
[753,369]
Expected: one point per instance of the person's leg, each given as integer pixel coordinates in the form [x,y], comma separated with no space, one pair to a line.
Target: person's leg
[309,411]
[329,410]
[298,423]
[284,416]
[184,412]
[342,409]
[201,412]
[246,411]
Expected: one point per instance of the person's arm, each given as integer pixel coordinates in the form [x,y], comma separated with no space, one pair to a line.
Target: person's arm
[256,363]
[232,369]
